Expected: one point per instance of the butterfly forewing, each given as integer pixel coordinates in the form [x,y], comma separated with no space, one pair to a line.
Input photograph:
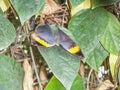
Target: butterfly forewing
[43,35]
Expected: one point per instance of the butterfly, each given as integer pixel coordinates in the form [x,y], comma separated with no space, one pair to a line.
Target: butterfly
[44,36]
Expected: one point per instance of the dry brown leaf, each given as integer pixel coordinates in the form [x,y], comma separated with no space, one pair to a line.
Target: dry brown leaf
[50,7]
[36,88]
[106,85]
[43,76]
[82,69]
[28,80]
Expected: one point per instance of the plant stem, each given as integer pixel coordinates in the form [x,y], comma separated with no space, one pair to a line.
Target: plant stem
[89,78]
[31,51]
[33,60]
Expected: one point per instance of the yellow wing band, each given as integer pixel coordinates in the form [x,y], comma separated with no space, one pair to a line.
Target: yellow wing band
[74,49]
[39,40]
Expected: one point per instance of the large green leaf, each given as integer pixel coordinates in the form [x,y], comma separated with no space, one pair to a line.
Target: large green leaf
[7,32]
[75,3]
[96,56]
[88,27]
[11,74]
[97,3]
[64,65]
[111,36]
[27,8]
[55,84]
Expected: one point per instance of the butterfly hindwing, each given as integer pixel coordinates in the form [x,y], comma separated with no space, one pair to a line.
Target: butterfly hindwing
[66,42]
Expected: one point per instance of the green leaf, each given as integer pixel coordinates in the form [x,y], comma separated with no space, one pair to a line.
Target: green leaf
[98,3]
[55,84]
[78,84]
[11,74]
[7,32]
[27,8]
[96,56]
[111,36]
[1,13]
[64,65]
[75,3]
[88,27]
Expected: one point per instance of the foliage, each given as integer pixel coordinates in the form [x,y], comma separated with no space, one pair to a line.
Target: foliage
[98,3]
[25,10]
[65,64]
[11,74]
[88,35]
[75,3]
[7,32]
[94,29]
[55,84]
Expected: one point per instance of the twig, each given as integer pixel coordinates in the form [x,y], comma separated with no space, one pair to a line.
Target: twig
[33,60]
[89,78]
[14,12]
[31,51]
